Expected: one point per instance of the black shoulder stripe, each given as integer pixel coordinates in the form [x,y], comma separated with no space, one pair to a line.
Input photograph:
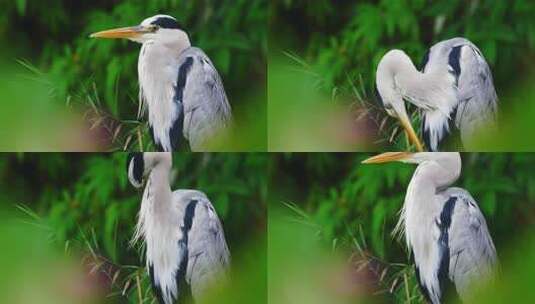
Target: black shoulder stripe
[176,132]
[446,285]
[183,72]
[454,61]
[184,290]
[190,213]
[445,219]
[425,59]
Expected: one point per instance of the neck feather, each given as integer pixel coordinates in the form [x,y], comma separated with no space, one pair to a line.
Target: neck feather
[158,73]
[156,206]
[431,91]
[428,179]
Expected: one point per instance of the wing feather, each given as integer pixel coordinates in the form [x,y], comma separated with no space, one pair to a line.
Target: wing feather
[478,100]
[208,253]
[472,252]
[476,105]
[206,108]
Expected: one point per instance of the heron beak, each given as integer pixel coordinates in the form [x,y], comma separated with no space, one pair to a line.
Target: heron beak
[388,157]
[413,138]
[124,32]
[401,113]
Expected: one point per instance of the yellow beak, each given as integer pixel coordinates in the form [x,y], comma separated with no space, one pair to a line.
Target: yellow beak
[406,124]
[123,32]
[387,157]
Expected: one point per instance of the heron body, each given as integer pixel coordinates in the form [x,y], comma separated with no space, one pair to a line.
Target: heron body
[476,101]
[454,90]
[179,86]
[444,228]
[186,251]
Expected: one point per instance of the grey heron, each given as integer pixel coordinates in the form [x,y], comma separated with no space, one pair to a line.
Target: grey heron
[178,85]
[185,245]
[454,92]
[444,228]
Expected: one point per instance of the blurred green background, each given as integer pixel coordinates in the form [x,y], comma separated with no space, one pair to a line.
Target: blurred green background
[323,55]
[331,222]
[84,93]
[80,210]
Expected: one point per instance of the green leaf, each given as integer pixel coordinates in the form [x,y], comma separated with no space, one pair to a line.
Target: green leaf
[21,7]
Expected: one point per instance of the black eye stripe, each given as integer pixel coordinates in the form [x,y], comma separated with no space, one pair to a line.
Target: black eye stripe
[138,166]
[167,23]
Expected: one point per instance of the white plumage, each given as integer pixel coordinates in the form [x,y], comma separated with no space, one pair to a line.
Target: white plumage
[444,229]
[454,91]
[184,240]
[179,86]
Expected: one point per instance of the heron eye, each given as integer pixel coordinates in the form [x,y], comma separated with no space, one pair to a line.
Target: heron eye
[153,28]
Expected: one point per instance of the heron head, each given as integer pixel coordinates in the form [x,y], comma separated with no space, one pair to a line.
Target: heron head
[140,165]
[388,94]
[414,158]
[448,162]
[161,29]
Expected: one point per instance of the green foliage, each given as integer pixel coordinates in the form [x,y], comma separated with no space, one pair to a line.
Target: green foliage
[347,35]
[54,36]
[354,207]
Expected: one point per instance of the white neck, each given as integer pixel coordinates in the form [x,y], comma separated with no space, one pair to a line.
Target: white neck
[418,201]
[159,226]
[430,178]
[423,205]
[432,91]
[162,193]
[158,72]
[156,205]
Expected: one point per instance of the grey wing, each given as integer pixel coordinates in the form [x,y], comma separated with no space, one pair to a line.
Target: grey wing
[206,108]
[209,257]
[478,100]
[438,56]
[472,252]
[477,105]
[441,59]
